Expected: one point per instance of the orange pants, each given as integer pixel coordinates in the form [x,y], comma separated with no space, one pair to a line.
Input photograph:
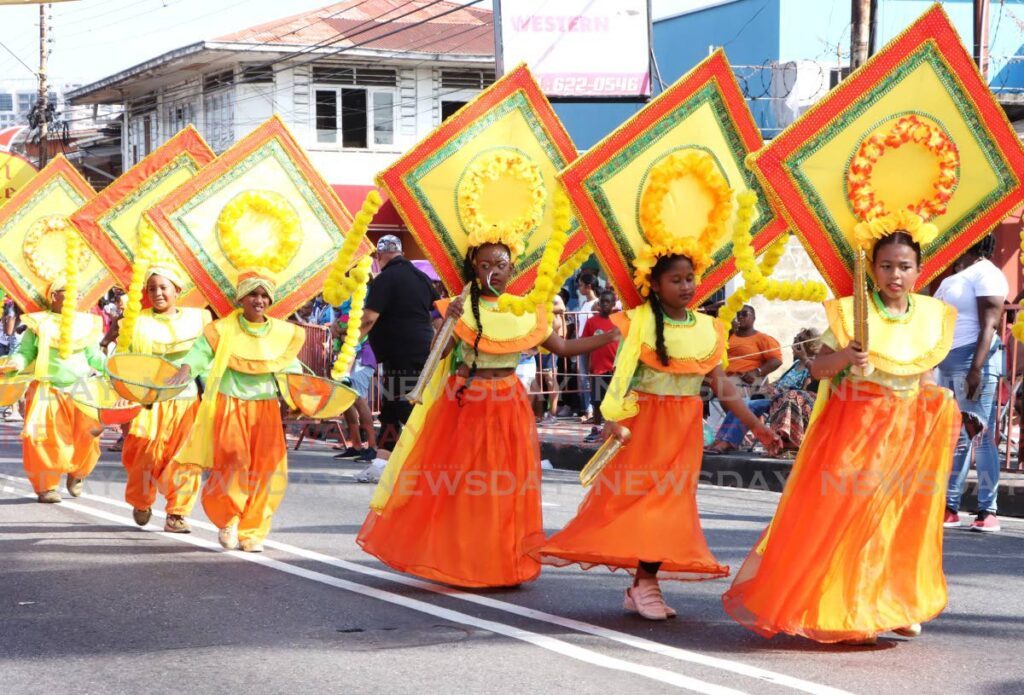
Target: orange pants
[65,443]
[148,461]
[250,466]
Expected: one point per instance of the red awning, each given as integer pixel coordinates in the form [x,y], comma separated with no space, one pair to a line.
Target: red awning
[352,196]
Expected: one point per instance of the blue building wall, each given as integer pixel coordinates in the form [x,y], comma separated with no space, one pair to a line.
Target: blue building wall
[749,30]
[755,32]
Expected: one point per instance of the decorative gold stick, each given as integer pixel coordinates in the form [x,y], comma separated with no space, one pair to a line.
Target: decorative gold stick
[436,352]
[860,307]
[601,458]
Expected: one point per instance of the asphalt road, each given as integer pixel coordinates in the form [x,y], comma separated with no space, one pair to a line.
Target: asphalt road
[92,604]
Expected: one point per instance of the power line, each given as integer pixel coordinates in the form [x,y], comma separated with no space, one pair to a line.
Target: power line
[17,58]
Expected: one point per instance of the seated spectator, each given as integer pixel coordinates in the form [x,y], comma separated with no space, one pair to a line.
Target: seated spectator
[752,355]
[787,404]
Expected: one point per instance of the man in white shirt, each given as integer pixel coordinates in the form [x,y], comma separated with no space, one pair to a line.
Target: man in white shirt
[972,369]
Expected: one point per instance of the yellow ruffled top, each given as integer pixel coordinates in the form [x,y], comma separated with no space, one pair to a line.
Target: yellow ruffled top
[168,335]
[273,350]
[901,348]
[695,347]
[505,337]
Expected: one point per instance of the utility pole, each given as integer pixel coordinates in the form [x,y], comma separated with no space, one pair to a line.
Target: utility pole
[981,18]
[43,92]
[860,32]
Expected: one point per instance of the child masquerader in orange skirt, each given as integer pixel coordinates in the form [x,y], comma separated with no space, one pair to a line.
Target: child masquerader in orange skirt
[157,433]
[641,513]
[459,502]
[238,431]
[855,548]
[59,436]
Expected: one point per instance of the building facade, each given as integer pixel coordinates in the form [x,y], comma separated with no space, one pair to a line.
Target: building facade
[358,83]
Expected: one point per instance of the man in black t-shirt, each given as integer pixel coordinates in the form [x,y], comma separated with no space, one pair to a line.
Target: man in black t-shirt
[400,327]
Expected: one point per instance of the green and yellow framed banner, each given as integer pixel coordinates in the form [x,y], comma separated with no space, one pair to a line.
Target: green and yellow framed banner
[277,202]
[110,221]
[703,111]
[500,153]
[915,127]
[32,239]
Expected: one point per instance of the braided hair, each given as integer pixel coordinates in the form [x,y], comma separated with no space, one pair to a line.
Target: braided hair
[663,264]
[469,275]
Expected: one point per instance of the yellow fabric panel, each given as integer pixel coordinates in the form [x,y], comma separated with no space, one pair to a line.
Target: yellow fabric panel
[901,346]
[922,92]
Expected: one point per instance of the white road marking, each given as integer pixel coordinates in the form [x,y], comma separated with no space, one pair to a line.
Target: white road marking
[543,641]
[625,638]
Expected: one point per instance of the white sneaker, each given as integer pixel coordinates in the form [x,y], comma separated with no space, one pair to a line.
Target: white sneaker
[228,537]
[372,473]
[251,545]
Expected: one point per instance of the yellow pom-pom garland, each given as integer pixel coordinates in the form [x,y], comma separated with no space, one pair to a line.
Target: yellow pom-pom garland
[755,275]
[361,276]
[126,329]
[545,286]
[73,246]
[338,286]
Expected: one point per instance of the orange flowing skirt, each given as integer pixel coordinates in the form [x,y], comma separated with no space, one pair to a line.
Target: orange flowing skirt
[643,505]
[466,504]
[855,548]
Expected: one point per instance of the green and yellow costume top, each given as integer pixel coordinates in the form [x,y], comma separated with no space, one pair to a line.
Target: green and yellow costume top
[505,336]
[901,348]
[252,354]
[39,355]
[695,346]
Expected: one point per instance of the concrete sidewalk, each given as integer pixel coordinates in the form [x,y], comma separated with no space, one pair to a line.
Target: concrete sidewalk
[563,445]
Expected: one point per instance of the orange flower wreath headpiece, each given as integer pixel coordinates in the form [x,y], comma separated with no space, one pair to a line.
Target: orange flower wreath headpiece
[877,220]
[661,240]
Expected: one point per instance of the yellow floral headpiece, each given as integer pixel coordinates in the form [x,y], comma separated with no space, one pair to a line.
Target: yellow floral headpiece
[509,231]
[661,241]
[867,234]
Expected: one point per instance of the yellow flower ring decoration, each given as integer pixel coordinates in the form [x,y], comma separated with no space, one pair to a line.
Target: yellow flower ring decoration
[49,269]
[488,168]
[906,130]
[236,220]
[661,241]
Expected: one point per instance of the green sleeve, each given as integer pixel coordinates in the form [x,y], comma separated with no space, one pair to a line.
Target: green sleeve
[96,358]
[200,357]
[27,351]
[294,368]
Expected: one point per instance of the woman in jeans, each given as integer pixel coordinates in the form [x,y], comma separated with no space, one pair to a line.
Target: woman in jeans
[972,369]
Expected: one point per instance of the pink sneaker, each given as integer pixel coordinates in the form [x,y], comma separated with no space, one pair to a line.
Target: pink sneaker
[986,522]
[951,519]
